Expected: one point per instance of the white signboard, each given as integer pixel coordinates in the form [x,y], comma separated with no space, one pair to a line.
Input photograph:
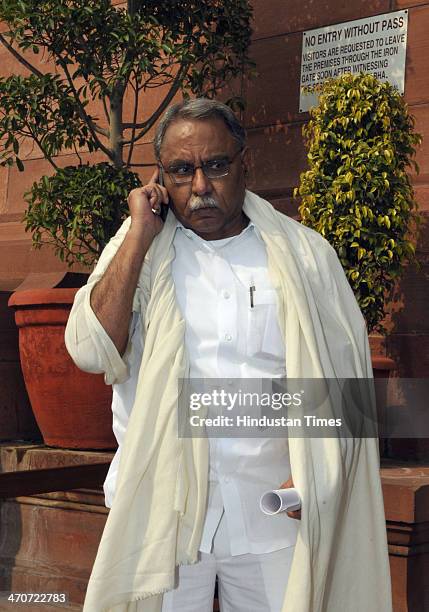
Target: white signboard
[376,45]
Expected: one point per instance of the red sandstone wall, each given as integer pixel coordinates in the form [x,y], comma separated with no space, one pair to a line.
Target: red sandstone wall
[274,127]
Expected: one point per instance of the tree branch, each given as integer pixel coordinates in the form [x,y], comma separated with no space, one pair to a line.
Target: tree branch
[171,79]
[63,221]
[77,152]
[106,111]
[83,114]
[116,140]
[99,129]
[89,247]
[173,90]
[39,144]
[20,58]
[133,133]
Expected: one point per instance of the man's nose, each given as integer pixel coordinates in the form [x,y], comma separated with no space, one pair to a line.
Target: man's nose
[201,184]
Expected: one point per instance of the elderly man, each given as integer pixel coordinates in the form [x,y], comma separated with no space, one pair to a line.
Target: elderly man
[224,288]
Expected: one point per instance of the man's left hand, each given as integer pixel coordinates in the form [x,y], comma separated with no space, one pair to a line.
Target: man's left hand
[295,514]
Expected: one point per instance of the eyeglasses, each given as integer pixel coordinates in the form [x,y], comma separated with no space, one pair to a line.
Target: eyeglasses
[182,173]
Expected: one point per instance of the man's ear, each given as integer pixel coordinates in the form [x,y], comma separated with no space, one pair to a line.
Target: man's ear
[245,160]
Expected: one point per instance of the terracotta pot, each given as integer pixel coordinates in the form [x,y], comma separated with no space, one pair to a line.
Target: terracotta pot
[382,366]
[71,407]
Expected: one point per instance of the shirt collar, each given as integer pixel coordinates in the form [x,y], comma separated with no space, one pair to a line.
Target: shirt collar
[193,236]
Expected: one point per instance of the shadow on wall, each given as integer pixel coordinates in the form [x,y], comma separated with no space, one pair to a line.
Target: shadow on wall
[408,342]
[16,417]
[407,323]
[17,423]
[10,541]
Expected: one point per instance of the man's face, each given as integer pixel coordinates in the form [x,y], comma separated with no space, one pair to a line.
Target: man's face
[212,208]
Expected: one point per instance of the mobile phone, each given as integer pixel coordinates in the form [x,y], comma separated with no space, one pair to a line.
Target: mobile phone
[164,207]
[161,176]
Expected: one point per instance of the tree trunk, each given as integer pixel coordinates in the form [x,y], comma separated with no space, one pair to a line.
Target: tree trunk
[116,129]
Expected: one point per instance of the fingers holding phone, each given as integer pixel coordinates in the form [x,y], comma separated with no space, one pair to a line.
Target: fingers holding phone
[146,205]
[164,204]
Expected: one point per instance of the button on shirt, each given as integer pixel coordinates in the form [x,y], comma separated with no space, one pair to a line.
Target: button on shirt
[226,339]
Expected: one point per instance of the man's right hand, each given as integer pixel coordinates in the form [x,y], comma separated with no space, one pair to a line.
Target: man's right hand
[145,207]
[112,296]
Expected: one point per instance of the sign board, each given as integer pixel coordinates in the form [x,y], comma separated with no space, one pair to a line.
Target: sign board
[376,45]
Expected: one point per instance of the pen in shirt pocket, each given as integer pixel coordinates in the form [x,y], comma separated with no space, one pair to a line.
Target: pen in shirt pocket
[252,290]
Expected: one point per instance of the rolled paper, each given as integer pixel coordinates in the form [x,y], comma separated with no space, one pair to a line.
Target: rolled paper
[280,500]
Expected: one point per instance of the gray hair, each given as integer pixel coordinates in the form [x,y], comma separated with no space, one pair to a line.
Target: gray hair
[199,108]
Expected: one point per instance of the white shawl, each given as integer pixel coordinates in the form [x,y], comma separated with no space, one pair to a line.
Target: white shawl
[340,562]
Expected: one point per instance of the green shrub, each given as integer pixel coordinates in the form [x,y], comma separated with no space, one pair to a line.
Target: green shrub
[79,209]
[356,192]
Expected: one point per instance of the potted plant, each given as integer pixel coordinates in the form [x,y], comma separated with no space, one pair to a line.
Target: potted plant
[72,408]
[102,57]
[357,193]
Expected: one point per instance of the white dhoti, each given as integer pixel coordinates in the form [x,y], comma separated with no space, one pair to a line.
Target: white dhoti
[254,583]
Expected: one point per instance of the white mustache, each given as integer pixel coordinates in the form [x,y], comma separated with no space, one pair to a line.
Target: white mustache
[196,202]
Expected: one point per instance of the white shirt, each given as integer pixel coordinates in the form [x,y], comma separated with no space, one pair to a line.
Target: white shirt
[225,339]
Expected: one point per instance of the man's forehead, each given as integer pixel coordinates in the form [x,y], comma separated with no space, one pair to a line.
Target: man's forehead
[196,134]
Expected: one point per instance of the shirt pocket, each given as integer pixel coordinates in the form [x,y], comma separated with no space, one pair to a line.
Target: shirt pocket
[263,336]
